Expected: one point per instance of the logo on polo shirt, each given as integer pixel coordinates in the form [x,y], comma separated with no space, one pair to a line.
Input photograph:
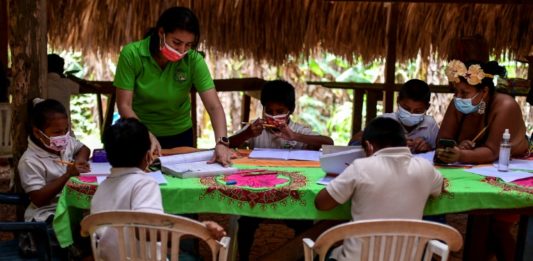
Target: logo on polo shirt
[180,76]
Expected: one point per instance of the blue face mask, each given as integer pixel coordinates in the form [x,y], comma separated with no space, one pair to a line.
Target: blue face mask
[409,119]
[464,105]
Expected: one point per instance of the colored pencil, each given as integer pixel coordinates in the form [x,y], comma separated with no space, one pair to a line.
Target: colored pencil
[479,134]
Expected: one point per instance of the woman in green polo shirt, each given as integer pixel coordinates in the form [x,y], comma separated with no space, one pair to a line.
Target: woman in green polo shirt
[154,77]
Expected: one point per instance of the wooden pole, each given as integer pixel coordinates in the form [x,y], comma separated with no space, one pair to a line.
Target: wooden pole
[3,32]
[390,66]
[27,39]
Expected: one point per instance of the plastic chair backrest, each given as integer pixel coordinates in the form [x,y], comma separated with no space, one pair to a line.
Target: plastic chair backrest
[389,239]
[5,130]
[135,232]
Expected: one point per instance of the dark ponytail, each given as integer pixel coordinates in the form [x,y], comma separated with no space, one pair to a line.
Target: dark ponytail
[172,19]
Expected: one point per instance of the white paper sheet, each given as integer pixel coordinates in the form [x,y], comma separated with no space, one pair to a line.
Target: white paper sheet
[98,169]
[519,164]
[196,169]
[335,163]
[284,154]
[325,180]
[188,157]
[507,176]
[426,155]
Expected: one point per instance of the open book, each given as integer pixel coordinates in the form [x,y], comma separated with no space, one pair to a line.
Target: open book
[193,165]
[285,154]
[335,162]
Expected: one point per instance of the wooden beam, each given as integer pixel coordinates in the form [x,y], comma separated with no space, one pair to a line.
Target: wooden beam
[390,65]
[500,2]
[357,116]
[3,32]
[381,87]
[27,38]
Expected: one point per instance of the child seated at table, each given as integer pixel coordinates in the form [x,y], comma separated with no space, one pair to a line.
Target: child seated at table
[276,129]
[389,183]
[52,157]
[421,129]
[127,145]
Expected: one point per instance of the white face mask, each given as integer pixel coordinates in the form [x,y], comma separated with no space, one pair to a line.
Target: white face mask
[57,143]
[409,119]
[277,118]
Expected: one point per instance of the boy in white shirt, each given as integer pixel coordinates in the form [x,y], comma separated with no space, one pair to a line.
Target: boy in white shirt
[389,183]
[127,145]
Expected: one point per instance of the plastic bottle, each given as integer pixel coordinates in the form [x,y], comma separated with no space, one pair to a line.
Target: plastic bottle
[505,152]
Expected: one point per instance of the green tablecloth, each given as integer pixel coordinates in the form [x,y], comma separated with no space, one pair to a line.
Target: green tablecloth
[290,195]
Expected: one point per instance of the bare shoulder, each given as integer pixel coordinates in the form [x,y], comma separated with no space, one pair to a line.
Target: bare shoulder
[505,103]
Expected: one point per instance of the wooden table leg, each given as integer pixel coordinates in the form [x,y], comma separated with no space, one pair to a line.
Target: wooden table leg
[476,241]
[524,242]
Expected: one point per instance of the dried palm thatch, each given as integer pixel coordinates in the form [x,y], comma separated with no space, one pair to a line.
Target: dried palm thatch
[278,30]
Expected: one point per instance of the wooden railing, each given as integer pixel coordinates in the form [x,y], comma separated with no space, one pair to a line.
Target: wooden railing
[374,93]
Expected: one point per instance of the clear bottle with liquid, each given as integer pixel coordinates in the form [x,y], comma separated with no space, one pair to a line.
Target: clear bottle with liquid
[505,152]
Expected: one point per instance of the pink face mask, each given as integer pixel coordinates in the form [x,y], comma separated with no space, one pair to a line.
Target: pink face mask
[170,53]
[57,143]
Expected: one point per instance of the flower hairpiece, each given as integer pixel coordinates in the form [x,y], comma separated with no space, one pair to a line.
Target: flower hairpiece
[473,75]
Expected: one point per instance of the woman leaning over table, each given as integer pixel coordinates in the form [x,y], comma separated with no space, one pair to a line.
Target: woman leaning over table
[476,106]
[154,77]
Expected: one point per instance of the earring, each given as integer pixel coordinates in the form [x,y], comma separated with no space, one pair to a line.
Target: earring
[482,107]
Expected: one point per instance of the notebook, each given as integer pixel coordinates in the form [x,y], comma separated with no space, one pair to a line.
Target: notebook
[336,162]
[285,154]
[193,165]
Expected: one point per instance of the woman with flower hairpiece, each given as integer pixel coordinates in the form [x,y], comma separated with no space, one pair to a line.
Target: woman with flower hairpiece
[476,108]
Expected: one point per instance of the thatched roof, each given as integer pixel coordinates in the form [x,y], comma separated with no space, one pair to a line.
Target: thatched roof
[275,30]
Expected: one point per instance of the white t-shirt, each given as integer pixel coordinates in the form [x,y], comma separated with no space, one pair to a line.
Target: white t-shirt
[389,184]
[60,89]
[124,189]
[427,129]
[268,140]
[38,167]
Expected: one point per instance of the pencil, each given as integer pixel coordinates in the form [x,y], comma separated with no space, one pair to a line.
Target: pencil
[264,124]
[479,134]
[65,162]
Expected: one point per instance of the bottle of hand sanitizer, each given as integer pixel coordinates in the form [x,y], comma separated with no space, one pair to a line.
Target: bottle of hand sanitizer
[505,152]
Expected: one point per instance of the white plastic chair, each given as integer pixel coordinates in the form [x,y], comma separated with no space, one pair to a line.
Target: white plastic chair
[136,230]
[5,131]
[389,239]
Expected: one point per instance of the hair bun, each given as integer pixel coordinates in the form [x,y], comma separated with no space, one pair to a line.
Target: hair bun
[37,101]
[494,68]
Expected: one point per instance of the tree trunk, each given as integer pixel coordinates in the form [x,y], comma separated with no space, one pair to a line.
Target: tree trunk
[27,39]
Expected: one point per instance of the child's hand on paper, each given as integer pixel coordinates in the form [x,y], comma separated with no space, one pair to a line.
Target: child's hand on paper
[418,145]
[215,229]
[82,166]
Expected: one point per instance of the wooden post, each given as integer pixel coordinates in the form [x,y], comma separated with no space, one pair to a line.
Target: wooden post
[27,39]
[390,66]
[357,116]
[3,32]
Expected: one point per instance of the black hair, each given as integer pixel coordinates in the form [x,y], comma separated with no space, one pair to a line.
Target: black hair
[384,132]
[416,90]
[126,143]
[278,91]
[172,19]
[55,64]
[42,111]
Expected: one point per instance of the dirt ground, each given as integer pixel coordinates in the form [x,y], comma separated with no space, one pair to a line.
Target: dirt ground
[268,237]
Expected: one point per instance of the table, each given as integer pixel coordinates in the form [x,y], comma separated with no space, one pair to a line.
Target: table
[290,195]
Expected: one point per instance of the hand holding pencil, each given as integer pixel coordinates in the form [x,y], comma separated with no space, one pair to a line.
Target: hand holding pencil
[471,144]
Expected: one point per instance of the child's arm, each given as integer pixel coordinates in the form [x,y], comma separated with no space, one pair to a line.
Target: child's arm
[312,141]
[46,194]
[251,131]
[324,201]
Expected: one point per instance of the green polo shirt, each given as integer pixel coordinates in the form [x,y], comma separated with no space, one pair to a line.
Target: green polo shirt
[161,98]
